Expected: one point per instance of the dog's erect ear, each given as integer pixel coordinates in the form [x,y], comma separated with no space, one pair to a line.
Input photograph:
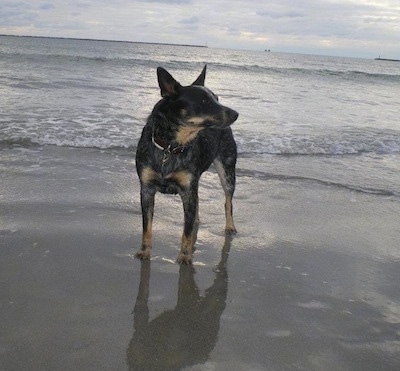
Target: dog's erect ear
[201,78]
[168,85]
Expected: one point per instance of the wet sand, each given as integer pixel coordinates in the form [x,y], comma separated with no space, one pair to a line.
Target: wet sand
[311,281]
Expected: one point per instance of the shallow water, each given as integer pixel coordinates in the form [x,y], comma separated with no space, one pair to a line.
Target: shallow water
[339,114]
[309,283]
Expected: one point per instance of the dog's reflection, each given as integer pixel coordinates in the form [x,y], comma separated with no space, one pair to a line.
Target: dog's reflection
[185,335]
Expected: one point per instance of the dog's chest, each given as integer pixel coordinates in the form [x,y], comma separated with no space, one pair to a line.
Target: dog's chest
[172,183]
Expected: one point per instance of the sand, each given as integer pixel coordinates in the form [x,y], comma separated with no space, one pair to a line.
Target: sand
[310,282]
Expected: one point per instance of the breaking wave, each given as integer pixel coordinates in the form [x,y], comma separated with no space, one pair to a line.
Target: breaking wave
[125,135]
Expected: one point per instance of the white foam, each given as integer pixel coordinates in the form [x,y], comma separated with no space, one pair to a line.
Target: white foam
[313,304]
[332,142]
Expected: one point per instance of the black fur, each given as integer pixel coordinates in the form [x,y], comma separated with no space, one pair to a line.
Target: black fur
[186,132]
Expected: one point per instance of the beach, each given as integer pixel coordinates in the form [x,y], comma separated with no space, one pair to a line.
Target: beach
[310,282]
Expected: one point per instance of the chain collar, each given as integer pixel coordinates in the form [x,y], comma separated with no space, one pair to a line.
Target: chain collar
[168,149]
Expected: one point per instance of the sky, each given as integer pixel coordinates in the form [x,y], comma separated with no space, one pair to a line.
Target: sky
[353,28]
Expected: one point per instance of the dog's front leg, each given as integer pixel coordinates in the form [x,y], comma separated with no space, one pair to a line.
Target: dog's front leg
[190,205]
[147,201]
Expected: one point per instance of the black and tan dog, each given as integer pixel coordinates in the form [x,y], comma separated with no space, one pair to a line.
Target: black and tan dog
[186,132]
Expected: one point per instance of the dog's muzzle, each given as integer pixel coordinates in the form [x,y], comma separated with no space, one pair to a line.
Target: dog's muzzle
[233,115]
[229,116]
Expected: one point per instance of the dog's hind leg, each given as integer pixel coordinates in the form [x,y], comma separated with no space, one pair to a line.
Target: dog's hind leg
[226,170]
[147,196]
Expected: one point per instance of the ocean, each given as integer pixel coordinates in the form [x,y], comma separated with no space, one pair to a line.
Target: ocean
[325,119]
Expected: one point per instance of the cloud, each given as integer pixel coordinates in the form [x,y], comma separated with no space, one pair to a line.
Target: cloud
[277,14]
[168,1]
[347,27]
[16,13]
[191,20]
[46,6]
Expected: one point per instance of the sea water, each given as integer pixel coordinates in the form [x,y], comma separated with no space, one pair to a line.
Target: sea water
[303,118]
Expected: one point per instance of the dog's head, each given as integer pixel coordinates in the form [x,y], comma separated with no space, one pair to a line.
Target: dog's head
[194,106]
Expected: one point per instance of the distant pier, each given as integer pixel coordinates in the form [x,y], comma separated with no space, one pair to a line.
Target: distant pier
[386,59]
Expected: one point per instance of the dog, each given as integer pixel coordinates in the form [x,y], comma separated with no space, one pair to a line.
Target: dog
[186,132]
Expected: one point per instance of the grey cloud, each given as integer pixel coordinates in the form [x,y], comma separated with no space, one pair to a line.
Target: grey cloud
[191,20]
[16,13]
[277,14]
[248,24]
[46,6]
[168,1]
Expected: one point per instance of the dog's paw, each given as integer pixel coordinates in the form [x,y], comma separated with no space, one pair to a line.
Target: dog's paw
[184,259]
[143,254]
[230,231]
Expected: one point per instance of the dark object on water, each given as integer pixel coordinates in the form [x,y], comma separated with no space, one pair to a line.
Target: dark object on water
[385,59]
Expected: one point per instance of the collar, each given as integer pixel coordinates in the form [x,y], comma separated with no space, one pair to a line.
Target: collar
[168,148]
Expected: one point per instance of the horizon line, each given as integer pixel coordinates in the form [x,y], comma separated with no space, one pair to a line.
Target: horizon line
[107,40]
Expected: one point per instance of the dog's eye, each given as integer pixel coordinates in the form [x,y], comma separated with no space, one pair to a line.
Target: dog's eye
[216,97]
[205,101]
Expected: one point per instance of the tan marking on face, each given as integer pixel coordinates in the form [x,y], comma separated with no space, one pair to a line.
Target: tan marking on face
[187,133]
[197,120]
[148,175]
[200,120]
[183,178]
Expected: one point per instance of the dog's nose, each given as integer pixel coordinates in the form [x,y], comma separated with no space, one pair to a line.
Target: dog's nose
[233,115]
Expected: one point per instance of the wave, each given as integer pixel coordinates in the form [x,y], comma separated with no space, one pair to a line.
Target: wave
[249,144]
[149,61]
[67,58]
[339,143]
[79,141]
[353,188]
[348,75]
[308,71]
